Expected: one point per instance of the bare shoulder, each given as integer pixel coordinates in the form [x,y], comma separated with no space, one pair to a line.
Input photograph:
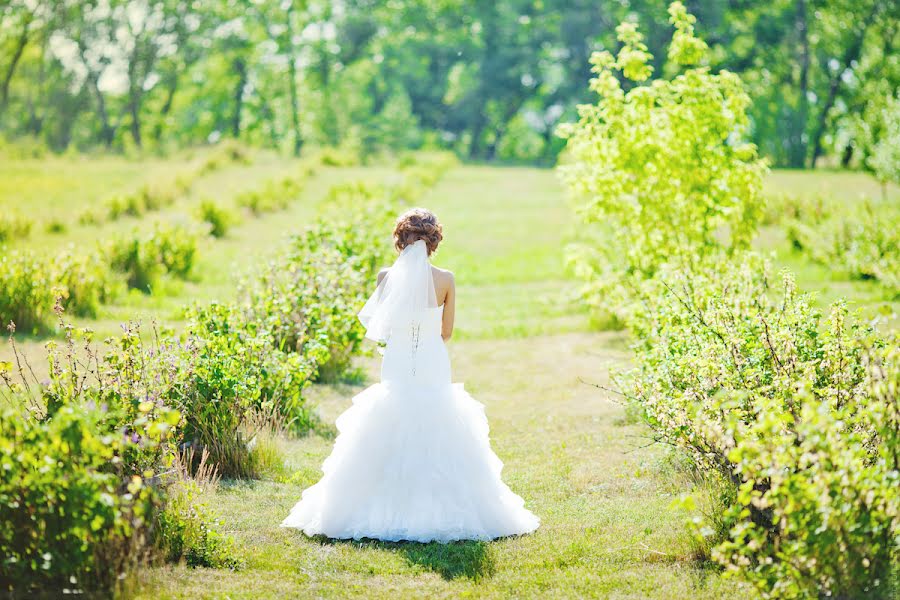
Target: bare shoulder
[444,276]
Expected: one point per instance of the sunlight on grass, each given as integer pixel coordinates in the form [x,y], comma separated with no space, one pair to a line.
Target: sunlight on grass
[522,347]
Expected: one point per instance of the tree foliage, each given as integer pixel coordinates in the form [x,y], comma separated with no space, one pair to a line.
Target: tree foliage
[661,169]
[488,79]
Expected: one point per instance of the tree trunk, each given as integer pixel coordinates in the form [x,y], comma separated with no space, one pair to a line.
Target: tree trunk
[477,132]
[241,67]
[292,83]
[107,132]
[134,108]
[14,62]
[798,149]
[850,55]
[166,107]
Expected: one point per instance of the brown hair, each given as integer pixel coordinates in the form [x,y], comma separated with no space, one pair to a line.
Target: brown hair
[418,224]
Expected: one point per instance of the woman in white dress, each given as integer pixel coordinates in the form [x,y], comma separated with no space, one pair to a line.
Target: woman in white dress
[412,460]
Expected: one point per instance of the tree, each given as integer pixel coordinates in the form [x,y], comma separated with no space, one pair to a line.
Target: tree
[662,168]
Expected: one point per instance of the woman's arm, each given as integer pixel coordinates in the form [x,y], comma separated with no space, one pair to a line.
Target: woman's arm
[449,308]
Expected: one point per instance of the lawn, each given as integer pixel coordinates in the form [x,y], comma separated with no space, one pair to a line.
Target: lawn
[522,347]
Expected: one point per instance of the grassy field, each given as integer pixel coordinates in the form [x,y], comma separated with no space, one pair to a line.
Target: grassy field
[523,350]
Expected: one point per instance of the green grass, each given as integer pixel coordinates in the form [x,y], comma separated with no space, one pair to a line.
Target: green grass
[221,263]
[521,347]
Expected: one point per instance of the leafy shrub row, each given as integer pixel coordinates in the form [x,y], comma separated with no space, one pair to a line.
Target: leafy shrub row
[237,370]
[147,397]
[30,286]
[76,456]
[151,198]
[84,457]
[862,241]
[795,412]
[315,289]
[69,518]
[13,226]
[276,194]
[143,259]
[791,418]
[313,292]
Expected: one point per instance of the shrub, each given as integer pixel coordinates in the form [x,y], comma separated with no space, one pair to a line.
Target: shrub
[228,152]
[90,216]
[752,383]
[347,155]
[26,291]
[83,282]
[70,518]
[186,530]
[218,218]
[237,369]
[176,247]
[313,293]
[273,196]
[56,226]
[13,226]
[138,261]
[862,241]
[75,509]
[146,199]
[661,169]
[168,249]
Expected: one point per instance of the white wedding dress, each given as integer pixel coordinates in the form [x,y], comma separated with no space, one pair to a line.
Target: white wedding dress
[412,460]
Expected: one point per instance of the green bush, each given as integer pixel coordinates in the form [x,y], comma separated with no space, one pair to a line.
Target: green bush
[56,226]
[313,293]
[661,170]
[26,291]
[30,286]
[143,259]
[68,518]
[227,153]
[90,216]
[75,510]
[273,196]
[218,218]
[186,530]
[83,282]
[862,241]
[347,155]
[236,370]
[13,226]
[754,384]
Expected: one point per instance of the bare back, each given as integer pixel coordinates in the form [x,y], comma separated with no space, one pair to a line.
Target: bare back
[445,292]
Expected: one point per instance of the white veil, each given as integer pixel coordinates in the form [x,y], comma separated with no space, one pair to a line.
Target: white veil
[402,297]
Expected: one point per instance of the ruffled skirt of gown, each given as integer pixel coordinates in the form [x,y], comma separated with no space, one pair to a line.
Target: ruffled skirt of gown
[412,462]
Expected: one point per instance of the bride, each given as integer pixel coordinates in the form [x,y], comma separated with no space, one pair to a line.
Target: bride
[412,460]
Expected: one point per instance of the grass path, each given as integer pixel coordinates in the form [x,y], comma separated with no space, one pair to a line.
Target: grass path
[607,529]
[521,348]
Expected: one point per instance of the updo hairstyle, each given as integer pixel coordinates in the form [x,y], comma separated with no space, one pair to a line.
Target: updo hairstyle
[418,224]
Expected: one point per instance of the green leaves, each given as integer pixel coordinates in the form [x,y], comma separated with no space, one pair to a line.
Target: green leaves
[60,501]
[790,407]
[143,259]
[661,172]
